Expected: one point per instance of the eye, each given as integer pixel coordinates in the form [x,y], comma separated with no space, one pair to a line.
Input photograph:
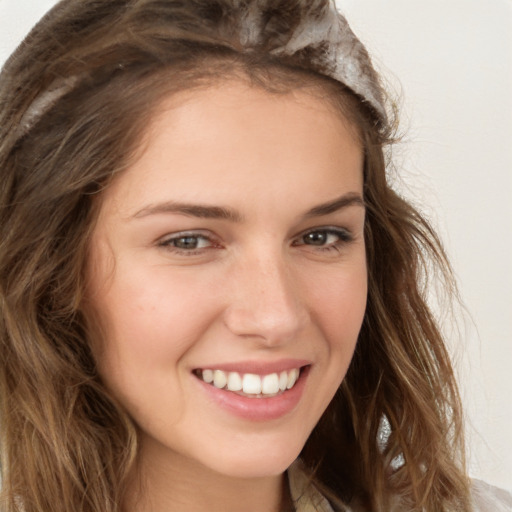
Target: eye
[320,238]
[187,242]
[324,238]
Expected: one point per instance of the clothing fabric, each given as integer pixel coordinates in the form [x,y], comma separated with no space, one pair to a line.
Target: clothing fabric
[486,498]
[305,496]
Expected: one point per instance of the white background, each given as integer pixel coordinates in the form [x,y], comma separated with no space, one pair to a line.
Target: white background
[450,62]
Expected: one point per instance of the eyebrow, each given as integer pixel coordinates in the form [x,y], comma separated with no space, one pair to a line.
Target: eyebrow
[191,210]
[229,214]
[350,199]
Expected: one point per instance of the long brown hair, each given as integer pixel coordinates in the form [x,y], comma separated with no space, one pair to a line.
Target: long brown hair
[74,100]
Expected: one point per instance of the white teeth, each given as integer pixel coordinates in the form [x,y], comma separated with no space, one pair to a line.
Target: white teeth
[234,382]
[283,380]
[292,378]
[270,384]
[219,379]
[250,383]
[208,376]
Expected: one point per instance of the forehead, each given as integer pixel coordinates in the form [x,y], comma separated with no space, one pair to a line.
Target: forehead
[232,137]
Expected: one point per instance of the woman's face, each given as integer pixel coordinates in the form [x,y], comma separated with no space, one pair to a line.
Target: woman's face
[232,250]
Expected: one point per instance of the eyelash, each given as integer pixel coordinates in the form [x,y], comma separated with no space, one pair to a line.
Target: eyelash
[344,237]
[169,243]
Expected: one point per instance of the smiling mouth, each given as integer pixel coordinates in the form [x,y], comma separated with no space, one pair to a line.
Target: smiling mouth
[250,384]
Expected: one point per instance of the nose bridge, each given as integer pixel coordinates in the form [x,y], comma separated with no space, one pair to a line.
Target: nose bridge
[264,299]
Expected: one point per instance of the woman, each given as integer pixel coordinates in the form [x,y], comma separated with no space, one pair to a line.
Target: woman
[205,275]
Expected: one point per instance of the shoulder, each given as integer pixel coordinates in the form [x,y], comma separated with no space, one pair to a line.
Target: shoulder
[487,498]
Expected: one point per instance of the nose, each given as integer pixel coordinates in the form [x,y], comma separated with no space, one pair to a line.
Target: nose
[265,301]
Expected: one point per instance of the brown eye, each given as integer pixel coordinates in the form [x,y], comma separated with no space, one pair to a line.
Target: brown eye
[316,238]
[325,237]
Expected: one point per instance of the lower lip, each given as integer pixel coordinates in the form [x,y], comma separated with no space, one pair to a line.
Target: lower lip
[258,409]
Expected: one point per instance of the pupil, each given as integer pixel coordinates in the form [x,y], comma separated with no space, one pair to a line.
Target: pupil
[316,238]
[186,242]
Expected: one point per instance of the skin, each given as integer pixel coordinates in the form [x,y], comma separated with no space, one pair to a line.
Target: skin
[254,289]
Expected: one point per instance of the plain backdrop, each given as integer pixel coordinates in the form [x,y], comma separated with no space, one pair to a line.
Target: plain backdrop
[449,64]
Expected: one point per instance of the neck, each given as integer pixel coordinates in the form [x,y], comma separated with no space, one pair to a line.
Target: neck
[169,482]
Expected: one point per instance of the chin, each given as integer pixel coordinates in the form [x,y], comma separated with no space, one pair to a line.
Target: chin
[258,461]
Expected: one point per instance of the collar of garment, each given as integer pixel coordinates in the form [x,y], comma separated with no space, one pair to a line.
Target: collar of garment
[306,498]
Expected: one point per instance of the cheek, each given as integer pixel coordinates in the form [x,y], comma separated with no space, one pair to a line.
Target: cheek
[149,322]
[339,306]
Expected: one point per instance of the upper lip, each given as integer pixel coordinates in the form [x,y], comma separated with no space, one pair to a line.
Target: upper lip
[258,367]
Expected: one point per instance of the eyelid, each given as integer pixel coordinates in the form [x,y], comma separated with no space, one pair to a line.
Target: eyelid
[344,234]
[344,237]
[165,241]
